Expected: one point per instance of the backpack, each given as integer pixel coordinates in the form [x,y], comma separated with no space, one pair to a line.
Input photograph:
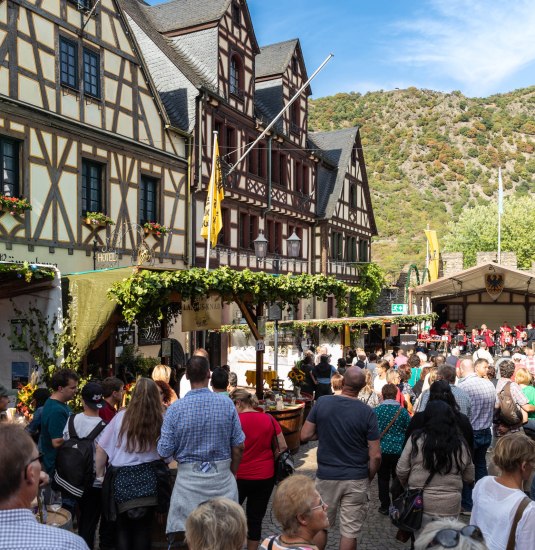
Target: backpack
[509,413]
[75,461]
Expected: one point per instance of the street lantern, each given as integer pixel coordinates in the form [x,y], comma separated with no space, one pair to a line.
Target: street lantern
[260,246]
[293,243]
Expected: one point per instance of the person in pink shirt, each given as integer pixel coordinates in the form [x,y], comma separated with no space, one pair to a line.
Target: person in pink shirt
[530,361]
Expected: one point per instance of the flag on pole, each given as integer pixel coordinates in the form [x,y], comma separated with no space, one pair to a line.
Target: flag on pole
[500,192]
[434,254]
[212,222]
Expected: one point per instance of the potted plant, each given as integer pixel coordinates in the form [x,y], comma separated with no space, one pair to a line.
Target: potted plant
[13,205]
[297,377]
[156,229]
[98,219]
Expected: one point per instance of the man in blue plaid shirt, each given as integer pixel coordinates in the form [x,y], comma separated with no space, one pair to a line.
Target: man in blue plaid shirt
[203,433]
[19,483]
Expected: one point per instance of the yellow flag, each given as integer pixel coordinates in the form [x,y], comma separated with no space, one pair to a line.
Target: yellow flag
[434,254]
[212,210]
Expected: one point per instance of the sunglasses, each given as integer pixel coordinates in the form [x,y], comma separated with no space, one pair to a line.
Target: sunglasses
[449,538]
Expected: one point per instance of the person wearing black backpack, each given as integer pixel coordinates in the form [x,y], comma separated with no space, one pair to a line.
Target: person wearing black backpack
[75,462]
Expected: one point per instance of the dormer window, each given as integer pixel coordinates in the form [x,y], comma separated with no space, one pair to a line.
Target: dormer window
[236,76]
[236,13]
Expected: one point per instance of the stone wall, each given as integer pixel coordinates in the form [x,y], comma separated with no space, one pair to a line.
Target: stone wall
[394,294]
[508,259]
[452,262]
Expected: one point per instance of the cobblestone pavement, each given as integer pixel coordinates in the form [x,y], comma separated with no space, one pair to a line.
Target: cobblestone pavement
[378,533]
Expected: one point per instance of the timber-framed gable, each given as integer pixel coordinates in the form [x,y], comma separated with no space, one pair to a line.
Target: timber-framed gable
[346,222]
[89,127]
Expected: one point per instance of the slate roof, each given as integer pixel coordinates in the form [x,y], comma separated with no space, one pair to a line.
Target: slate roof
[181,14]
[335,147]
[269,101]
[274,58]
[174,73]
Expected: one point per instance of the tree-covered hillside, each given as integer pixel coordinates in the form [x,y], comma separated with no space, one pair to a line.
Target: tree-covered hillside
[431,155]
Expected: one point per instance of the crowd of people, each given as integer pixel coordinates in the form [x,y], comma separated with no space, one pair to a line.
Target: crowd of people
[206,461]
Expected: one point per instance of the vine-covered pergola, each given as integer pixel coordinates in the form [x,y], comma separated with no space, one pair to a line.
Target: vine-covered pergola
[157,293]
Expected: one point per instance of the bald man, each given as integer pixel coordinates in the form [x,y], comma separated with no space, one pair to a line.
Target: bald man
[349,456]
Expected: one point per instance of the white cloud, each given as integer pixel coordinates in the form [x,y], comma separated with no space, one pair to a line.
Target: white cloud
[478,43]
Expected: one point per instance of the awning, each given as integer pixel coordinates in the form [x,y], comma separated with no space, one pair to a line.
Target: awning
[87,303]
[473,280]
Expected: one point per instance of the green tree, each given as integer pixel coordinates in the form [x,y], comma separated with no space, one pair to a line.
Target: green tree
[477,231]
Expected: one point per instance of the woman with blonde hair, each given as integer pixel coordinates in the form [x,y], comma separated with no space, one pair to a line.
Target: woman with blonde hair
[367,394]
[129,444]
[501,509]
[162,373]
[523,379]
[301,512]
[256,473]
[217,524]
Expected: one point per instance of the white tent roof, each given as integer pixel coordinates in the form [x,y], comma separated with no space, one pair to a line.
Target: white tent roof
[472,279]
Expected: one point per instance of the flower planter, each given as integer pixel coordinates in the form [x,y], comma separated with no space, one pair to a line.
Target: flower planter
[152,232]
[94,223]
[7,210]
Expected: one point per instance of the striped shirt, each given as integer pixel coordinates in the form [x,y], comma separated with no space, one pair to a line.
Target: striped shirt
[20,530]
[203,426]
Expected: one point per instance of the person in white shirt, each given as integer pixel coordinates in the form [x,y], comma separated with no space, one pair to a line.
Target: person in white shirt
[515,457]
[483,353]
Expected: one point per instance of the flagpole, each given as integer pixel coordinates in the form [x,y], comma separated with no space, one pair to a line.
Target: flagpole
[500,212]
[286,107]
[211,214]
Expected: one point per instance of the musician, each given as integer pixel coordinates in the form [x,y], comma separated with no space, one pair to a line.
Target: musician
[424,335]
[462,340]
[506,336]
[433,332]
[445,326]
[459,325]
[475,340]
[488,337]
[520,336]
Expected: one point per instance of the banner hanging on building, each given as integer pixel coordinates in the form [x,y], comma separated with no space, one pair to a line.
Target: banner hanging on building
[201,314]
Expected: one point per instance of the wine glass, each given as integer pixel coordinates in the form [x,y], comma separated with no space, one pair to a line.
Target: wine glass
[54,504]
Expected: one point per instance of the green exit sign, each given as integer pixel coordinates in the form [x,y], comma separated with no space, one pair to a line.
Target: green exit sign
[400,309]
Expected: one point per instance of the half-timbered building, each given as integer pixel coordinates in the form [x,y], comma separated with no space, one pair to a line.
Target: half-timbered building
[204,57]
[345,221]
[85,139]
[83,129]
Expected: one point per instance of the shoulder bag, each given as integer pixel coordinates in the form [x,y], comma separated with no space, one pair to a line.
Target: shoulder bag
[284,462]
[407,510]
[391,423]
[511,542]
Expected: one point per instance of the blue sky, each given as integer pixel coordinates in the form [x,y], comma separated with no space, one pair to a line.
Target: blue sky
[479,47]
